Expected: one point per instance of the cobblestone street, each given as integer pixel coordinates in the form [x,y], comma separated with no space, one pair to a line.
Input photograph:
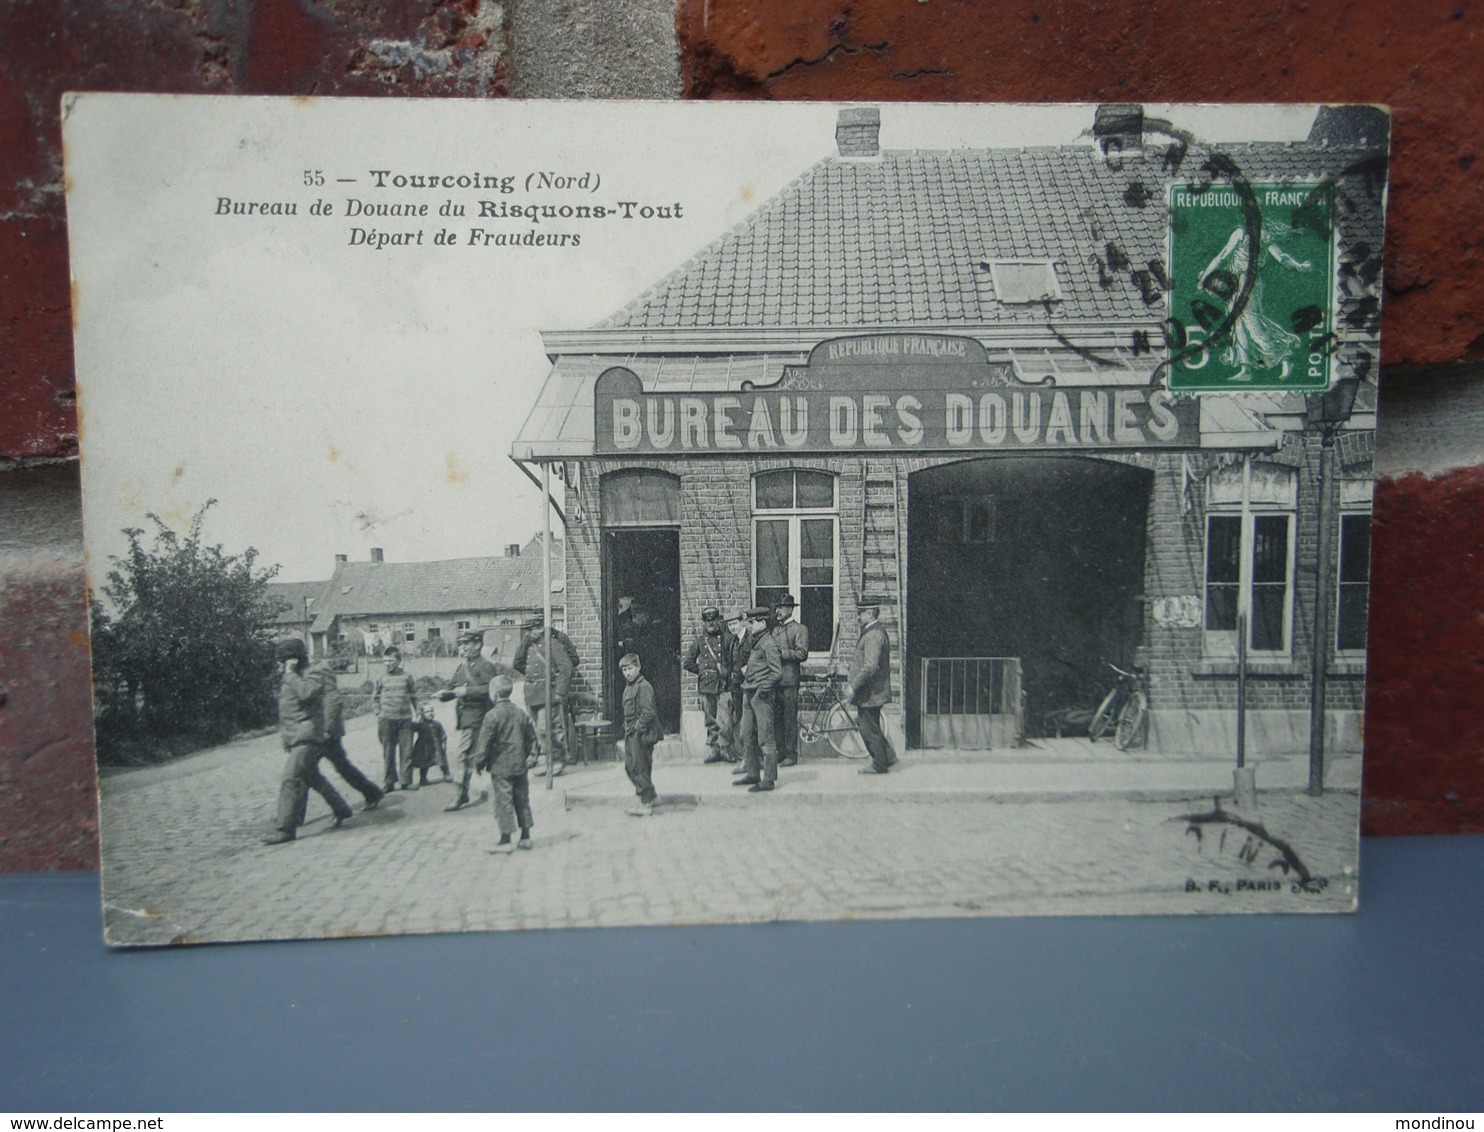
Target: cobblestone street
[184,862]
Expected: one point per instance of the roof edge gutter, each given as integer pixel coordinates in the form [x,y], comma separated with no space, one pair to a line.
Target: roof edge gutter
[801,339]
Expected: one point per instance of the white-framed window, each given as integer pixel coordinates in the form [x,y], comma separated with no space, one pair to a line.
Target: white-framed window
[461,625]
[1353,571]
[1250,558]
[371,627]
[434,632]
[796,547]
[1018,281]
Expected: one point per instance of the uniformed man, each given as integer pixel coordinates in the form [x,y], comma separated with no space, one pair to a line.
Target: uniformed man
[550,719]
[759,705]
[301,722]
[870,684]
[793,647]
[470,686]
[710,658]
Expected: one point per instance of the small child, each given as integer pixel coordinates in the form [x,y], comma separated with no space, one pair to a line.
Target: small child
[429,745]
[641,731]
[506,737]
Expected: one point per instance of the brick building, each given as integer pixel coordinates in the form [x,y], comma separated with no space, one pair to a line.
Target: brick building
[941,378]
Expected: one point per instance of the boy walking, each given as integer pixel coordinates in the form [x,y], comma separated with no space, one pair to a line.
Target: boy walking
[641,731]
[506,737]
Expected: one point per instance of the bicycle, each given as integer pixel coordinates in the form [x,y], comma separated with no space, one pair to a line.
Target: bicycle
[832,719]
[1124,711]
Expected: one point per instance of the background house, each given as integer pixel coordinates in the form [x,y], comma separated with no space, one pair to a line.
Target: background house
[421,607]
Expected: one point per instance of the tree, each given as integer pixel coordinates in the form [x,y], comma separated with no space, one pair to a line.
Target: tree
[189,649]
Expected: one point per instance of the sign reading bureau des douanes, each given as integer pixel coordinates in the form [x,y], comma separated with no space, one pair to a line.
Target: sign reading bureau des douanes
[904,392]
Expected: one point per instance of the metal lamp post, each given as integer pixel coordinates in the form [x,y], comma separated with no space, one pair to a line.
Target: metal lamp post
[1326,412]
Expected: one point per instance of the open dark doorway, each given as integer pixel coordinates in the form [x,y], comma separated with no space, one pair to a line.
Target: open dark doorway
[643,566]
[1038,561]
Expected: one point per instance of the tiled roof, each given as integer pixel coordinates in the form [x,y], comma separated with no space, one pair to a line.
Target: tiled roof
[294,593]
[455,585]
[907,239]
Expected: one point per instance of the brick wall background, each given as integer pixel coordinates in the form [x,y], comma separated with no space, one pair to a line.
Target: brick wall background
[1424,771]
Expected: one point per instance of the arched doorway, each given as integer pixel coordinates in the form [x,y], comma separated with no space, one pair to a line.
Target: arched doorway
[1038,561]
[641,585]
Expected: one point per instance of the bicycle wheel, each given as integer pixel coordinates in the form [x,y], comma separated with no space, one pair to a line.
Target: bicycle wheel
[844,735]
[1132,721]
[1102,719]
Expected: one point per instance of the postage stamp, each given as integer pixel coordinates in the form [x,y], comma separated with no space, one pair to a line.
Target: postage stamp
[1253,302]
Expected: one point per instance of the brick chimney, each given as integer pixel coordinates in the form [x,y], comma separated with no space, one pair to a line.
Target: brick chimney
[1118,129]
[512,550]
[376,554]
[341,558]
[858,132]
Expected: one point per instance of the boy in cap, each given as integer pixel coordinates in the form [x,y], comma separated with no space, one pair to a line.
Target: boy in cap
[870,684]
[710,658]
[793,648]
[470,686]
[641,731]
[506,737]
[395,704]
[301,721]
[759,706]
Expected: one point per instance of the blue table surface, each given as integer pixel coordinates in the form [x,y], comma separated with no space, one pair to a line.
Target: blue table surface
[1375,1011]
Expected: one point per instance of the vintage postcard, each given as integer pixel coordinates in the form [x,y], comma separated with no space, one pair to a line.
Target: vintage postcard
[510,515]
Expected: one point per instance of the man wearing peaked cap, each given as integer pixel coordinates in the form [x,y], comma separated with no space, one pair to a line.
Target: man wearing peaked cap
[759,695]
[470,686]
[710,658]
[741,646]
[530,662]
[793,647]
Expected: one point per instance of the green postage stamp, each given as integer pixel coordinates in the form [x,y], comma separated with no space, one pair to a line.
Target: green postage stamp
[1253,299]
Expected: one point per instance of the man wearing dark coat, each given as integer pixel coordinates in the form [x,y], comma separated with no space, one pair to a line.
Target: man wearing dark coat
[793,649]
[470,686]
[530,662]
[710,658]
[759,695]
[870,684]
[741,645]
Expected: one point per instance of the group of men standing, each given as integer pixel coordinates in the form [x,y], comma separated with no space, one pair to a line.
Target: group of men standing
[747,666]
[748,670]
